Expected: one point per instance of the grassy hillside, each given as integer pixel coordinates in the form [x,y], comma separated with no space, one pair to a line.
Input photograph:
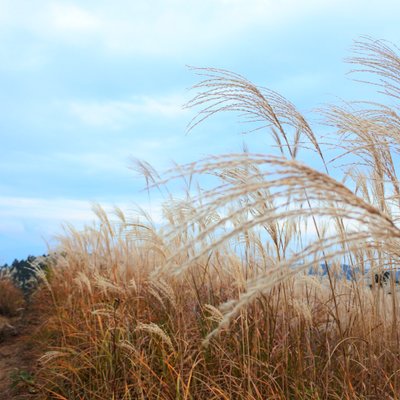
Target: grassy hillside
[218,302]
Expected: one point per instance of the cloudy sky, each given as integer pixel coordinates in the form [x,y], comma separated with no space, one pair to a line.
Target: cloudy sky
[86,85]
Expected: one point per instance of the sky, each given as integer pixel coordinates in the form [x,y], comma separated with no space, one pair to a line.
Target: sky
[88,85]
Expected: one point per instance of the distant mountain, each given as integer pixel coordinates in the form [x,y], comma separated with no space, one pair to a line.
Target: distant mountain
[349,273]
[342,271]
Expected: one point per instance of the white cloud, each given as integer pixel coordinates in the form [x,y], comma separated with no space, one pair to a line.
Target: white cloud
[181,27]
[171,27]
[96,162]
[22,208]
[117,160]
[28,224]
[70,18]
[15,212]
[116,114]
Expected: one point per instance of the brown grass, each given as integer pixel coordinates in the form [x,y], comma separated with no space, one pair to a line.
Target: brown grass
[11,298]
[217,303]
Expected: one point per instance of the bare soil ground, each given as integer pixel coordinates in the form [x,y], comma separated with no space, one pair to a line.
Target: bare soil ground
[17,356]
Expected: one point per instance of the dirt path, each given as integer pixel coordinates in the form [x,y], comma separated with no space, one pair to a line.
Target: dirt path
[16,357]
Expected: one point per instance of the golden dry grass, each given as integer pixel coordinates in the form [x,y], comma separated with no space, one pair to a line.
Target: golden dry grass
[11,298]
[218,302]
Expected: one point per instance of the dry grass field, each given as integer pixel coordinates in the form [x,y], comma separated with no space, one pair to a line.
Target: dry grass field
[218,302]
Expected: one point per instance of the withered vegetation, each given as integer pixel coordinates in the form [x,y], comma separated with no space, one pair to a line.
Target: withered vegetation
[218,302]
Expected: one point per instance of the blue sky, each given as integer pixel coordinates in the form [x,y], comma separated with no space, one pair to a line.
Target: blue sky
[86,85]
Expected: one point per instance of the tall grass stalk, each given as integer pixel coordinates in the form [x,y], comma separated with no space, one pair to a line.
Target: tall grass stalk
[219,302]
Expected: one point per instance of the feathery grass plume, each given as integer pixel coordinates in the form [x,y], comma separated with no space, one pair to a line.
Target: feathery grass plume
[52,355]
[381,59]
[366,137]
[222,90]
[251,266]
[285,179]
[370,130]
[157,331]
[214,313]
[165,290]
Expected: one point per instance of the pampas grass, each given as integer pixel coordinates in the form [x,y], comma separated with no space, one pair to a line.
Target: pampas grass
[219,301]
